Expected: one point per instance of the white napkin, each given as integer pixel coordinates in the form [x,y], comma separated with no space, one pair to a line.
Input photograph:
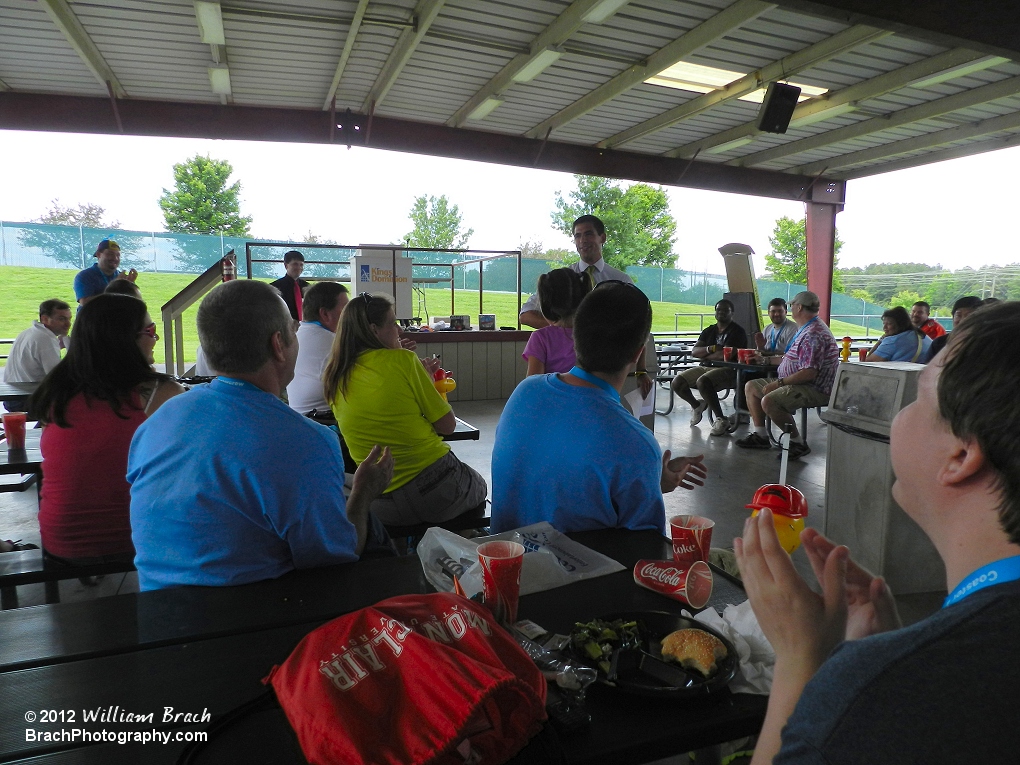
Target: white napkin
[757,659]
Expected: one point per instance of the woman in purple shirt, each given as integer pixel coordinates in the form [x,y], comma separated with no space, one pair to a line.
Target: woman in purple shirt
[551,348]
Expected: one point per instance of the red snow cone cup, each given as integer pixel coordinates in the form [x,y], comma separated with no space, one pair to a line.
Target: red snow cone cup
[692,538]
[501,578]
[688,583]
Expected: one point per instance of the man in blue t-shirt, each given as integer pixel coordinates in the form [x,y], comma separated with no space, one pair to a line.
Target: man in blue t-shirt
[944,690]
[230,485]
[568,452]
[92,281]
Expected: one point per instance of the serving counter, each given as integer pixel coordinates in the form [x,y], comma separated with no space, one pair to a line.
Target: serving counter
[486,365]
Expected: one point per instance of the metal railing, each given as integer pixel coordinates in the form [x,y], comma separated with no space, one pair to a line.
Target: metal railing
[173,311]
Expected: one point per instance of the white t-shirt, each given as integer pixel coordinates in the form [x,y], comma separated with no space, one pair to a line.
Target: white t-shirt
[34,353]
[305,391]
[603,273]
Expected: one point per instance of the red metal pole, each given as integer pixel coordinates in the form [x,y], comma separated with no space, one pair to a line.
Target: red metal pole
[821,252]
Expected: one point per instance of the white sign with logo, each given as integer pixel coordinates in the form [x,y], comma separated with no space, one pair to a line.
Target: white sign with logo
[373,271]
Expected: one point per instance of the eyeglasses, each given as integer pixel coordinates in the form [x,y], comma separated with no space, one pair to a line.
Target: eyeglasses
[150,331]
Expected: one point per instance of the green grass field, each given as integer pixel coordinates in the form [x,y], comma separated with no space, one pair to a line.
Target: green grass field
[23,289]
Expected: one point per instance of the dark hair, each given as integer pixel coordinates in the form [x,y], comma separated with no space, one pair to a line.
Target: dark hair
[977,398]
[925,303]
[236,324]
[354,336]
[123,287]
[292,255]
[611,324]
[600,227]
[900,318]
[49,307]
[321,296]
[103,359]
[724,301]
[560,293]
[778,301]
[968,303]
[990,301]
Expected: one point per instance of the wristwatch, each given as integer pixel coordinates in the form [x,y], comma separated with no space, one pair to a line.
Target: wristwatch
[779,382]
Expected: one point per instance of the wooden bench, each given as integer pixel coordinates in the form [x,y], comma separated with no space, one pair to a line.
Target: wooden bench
[31,567]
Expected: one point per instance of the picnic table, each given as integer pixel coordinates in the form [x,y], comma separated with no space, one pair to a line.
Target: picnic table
[199,648]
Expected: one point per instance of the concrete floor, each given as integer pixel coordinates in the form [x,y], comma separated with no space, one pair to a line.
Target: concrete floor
[734,474]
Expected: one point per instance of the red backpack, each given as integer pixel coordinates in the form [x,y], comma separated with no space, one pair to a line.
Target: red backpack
[411,680]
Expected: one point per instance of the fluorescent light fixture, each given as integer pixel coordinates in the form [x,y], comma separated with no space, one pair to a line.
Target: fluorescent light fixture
[705,79]
[823,114]
[725,147]
[959,71]
[210,23]
[602,10]
[485,108]
[219,78]
[541,61]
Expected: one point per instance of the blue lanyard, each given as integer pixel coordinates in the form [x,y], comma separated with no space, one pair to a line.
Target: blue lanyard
[794,338]
[233,382]
[596,381]
[775,337]
[999,572]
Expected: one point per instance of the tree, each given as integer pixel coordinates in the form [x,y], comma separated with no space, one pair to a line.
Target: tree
[84,215]
[312,238]
[203,203]
[906,298]
[437,225]
[639,227]
[70,234]
[788,259]
[531,250]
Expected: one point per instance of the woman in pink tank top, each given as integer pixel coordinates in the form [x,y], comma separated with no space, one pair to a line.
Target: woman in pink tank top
[91,403]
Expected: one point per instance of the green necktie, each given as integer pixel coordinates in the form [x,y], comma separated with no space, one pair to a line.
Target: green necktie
[590,271]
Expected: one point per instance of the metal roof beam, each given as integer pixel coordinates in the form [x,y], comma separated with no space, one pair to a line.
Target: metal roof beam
[352,34]
[930,140]
[63,17]
[861,91]
[963,100]
[939,156]
[992,27]
[708,31]
[29,111]
[552,36]
[782,69]
[425,12]
[4,87]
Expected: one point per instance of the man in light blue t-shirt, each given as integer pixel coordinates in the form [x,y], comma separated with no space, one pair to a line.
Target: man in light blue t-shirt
[568,452]
[230,485]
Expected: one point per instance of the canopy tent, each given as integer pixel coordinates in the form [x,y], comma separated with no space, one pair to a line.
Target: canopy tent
[663,91]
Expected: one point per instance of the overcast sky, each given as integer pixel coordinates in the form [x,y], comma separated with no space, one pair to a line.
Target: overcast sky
[953,213]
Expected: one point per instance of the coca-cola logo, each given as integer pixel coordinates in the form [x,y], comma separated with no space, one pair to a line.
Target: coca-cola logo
[680,547]
[665,574]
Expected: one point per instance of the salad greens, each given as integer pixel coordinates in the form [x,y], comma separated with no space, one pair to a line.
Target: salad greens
[596,640]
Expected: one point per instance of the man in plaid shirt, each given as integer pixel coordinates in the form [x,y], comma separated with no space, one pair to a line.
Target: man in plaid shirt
[804,378]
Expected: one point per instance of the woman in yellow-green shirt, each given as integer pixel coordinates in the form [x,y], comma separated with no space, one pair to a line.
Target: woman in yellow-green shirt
[383,394]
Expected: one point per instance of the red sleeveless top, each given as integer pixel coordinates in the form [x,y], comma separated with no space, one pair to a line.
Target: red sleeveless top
[84,510]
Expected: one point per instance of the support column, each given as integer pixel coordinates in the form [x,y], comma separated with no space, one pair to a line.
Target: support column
[821,252]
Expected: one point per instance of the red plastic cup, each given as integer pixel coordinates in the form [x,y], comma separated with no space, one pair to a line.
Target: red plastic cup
[690,583]
[744,355]
[692,538]
[501,578]
[727,353]
[14,429]
[863,352]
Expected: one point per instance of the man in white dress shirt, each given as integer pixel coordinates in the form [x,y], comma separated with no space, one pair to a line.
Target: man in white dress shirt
[323,303]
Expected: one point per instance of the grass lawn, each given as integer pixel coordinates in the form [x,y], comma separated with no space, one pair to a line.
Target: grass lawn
[23,289]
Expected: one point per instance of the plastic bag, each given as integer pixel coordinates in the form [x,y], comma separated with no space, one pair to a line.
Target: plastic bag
[551,559]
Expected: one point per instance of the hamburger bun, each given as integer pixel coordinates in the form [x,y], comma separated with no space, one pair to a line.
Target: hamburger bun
[694,648]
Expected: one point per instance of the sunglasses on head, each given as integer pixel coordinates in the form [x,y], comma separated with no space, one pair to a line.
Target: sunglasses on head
[150,330]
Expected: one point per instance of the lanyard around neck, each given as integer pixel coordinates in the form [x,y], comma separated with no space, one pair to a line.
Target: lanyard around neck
[999,572]
[596,381]
[794,338]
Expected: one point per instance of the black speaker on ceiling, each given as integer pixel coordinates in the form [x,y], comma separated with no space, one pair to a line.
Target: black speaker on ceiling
[777,108]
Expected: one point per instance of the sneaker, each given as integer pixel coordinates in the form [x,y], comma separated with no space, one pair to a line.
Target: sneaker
[754,441]
[697,413]
[722,427]
[797,450]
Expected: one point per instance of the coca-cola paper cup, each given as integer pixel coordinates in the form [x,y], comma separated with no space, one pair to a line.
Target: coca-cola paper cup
[690,583]
[501,578]
[692,537]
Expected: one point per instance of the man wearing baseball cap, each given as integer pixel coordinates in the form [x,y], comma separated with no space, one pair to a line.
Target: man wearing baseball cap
[92,281]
